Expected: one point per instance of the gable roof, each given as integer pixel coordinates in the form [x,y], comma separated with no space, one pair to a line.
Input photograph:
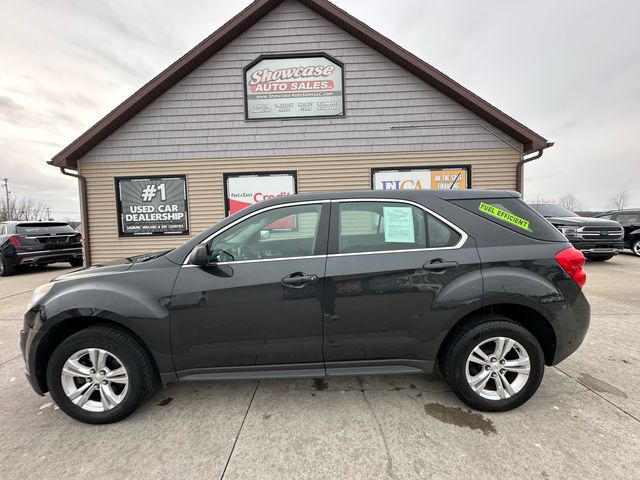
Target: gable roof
[69,156]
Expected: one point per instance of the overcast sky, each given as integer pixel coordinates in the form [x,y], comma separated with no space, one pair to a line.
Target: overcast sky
[569,70]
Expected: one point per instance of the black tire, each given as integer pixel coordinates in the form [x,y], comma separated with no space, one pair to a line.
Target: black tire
[635,247]
[119,343]
[453,360]
[76,262]
[6,269]
[600,258]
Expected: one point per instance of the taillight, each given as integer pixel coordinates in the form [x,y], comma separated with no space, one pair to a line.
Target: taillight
[15,240]
[571,261]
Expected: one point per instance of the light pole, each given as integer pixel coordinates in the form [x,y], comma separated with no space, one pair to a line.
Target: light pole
[5,182]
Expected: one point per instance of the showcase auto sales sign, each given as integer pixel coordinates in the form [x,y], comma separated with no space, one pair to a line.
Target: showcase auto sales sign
[294,87]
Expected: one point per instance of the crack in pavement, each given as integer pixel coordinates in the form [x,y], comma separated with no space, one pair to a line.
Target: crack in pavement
[10,360]
[14,294]
[224,471]
[599,395]
[383,436]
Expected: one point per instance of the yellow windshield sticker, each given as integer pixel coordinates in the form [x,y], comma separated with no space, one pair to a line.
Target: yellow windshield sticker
[504,215]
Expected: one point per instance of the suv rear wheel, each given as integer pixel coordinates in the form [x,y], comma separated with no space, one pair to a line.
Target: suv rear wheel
[635,247]
[6,268]
[493,363]
[99,375]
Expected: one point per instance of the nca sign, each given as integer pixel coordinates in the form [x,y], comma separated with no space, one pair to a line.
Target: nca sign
[298,86]
[421,179]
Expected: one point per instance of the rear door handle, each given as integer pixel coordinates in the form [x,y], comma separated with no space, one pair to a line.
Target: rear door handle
[298,280]
[439,265]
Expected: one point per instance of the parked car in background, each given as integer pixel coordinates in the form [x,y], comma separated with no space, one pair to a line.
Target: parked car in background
[630,221]
[38,243]
[598,239]
[327,284]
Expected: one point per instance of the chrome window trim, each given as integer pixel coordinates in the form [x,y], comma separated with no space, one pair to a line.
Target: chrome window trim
[459,244]
[261,260]
[246,217]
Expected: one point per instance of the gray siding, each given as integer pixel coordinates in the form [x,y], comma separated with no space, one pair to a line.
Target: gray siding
[202,116]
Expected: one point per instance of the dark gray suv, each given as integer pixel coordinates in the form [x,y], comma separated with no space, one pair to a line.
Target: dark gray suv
[348,283]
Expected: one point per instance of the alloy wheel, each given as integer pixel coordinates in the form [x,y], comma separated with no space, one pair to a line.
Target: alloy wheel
[636,248]
[498,368]
[94,380]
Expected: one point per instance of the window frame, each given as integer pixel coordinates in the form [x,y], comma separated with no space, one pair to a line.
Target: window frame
[334,229]
[321,241]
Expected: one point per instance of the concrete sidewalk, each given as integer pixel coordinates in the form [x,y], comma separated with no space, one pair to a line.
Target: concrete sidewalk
[582,423]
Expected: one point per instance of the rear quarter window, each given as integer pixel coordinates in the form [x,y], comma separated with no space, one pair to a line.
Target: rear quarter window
[513,214]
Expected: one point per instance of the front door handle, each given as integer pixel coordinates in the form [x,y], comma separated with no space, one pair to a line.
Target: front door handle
[439,265]
[298,280]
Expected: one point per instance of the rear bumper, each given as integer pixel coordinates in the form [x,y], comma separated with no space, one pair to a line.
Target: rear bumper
[571,326]
[47,256]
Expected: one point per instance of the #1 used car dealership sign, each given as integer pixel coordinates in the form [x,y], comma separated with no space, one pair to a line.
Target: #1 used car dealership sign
[294,87]
[152,205]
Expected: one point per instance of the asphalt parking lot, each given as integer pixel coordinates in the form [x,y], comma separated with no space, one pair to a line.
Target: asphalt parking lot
[584,422]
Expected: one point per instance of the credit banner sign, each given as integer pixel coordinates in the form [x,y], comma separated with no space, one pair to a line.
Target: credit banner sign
[243,190]
[421,178]
[294,87]
[152,205]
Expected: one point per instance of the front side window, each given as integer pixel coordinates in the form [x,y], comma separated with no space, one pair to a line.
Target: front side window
[380,226]
[277,233]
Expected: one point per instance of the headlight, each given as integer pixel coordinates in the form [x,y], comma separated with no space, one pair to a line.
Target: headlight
[569,231]
[38,293]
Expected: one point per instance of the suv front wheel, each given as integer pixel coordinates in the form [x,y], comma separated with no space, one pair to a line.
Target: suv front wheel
[99,375]
[493,363]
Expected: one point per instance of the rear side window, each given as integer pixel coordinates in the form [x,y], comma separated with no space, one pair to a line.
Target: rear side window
[514,214]
[380,226]
[44,229]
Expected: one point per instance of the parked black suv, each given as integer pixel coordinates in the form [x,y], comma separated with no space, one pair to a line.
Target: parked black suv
[630,221]
[319,285]
[599,239]
[38,243]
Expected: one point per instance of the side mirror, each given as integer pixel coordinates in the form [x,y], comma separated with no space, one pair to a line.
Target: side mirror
[199,256]
[265,234]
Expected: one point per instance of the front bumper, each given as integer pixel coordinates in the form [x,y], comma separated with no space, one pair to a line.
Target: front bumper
[29,341]
[598,246]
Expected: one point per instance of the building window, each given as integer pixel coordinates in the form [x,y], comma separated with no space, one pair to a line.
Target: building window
[416,178]
[244,189]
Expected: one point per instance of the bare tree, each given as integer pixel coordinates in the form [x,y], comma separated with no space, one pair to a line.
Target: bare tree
[570,202]
[539,199]
[23,208]
[620,200]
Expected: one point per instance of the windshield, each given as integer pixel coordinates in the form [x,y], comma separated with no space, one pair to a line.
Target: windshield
[551,210]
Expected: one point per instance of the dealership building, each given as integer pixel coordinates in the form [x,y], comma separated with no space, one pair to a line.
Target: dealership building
[288,96]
